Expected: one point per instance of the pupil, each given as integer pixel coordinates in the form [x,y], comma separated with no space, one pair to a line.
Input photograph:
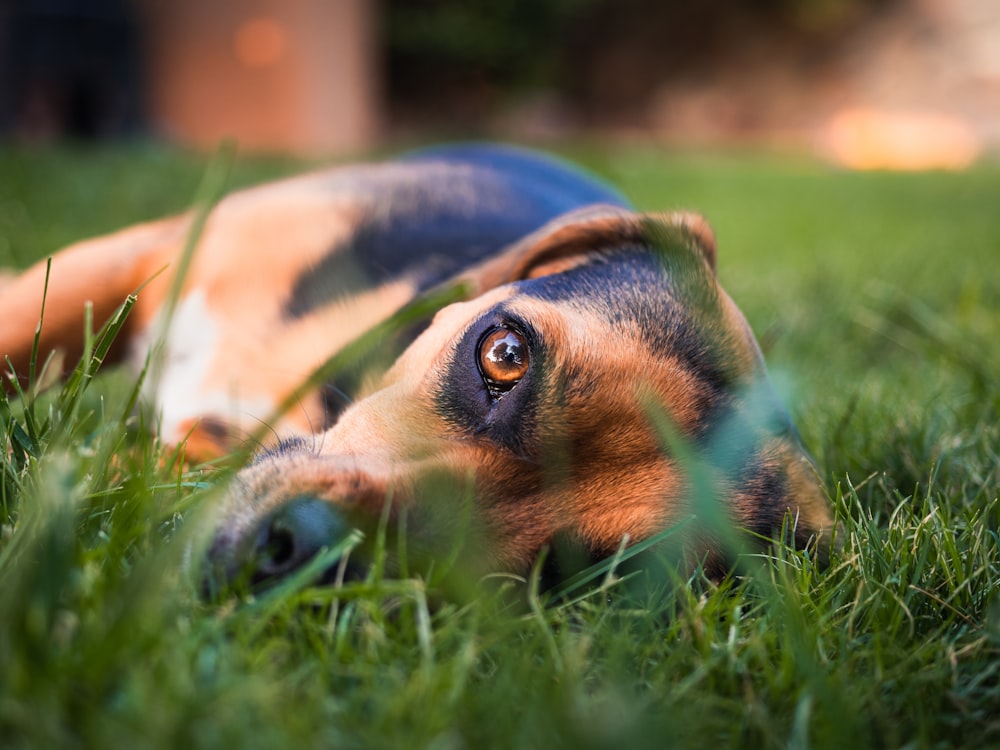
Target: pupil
[506,353]
[503,359]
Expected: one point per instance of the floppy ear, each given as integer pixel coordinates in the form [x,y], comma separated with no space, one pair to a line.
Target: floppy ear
[576,237]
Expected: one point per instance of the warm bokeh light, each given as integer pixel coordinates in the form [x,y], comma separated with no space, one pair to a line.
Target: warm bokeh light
[260,42]
[863,138]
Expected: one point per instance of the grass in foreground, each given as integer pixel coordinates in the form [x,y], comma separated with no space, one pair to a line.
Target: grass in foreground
[877,299]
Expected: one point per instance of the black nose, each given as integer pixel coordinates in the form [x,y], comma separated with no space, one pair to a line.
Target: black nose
[281,543]
[293,535]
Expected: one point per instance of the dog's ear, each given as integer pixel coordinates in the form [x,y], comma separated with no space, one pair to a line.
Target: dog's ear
[577,237]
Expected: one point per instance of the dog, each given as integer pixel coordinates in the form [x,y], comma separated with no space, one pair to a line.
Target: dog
[592,385]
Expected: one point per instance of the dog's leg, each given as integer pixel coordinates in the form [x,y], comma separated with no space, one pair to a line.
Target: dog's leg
[101,272]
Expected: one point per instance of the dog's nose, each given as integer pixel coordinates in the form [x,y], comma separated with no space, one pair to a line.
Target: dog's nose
[281,543]
[294,534]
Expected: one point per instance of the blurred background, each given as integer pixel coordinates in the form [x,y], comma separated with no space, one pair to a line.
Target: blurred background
[903,84]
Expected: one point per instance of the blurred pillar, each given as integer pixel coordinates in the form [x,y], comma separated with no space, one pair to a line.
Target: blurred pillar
[295,76]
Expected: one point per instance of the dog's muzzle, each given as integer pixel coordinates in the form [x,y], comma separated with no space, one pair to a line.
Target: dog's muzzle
[278,545]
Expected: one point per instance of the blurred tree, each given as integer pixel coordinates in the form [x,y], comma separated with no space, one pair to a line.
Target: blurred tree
[69,68]
[457,61]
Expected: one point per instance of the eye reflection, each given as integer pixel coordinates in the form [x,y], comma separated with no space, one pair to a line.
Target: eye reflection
[503,358]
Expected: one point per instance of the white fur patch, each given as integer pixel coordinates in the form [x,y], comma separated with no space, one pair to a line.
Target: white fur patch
[180,366]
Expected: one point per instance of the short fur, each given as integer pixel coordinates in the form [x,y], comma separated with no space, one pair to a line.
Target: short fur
[635,356]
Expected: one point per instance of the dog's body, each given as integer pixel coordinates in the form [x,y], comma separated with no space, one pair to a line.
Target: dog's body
[585,327]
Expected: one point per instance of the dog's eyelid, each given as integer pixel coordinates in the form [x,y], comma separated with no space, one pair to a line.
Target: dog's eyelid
[508,319]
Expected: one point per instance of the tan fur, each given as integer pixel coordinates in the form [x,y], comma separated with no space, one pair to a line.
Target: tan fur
[605,485]
[100,272]
[244,288]
[231,354]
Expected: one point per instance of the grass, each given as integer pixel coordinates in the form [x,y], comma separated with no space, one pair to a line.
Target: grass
[877,299]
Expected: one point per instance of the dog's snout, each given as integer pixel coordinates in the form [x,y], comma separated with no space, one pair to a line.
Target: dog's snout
[293,535]
[281,543]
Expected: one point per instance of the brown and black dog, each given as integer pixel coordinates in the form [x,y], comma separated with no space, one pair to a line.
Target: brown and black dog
[594,368]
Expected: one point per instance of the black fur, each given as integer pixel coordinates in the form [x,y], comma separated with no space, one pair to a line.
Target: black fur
[450,209]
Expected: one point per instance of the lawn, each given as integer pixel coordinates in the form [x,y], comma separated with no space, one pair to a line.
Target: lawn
[877,300]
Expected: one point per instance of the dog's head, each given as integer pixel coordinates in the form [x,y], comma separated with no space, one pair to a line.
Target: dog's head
[555,403]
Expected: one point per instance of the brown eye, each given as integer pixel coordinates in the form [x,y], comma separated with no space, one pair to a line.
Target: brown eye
[503,358]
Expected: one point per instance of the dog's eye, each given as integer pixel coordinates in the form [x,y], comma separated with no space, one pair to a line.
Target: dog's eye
[503,359]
